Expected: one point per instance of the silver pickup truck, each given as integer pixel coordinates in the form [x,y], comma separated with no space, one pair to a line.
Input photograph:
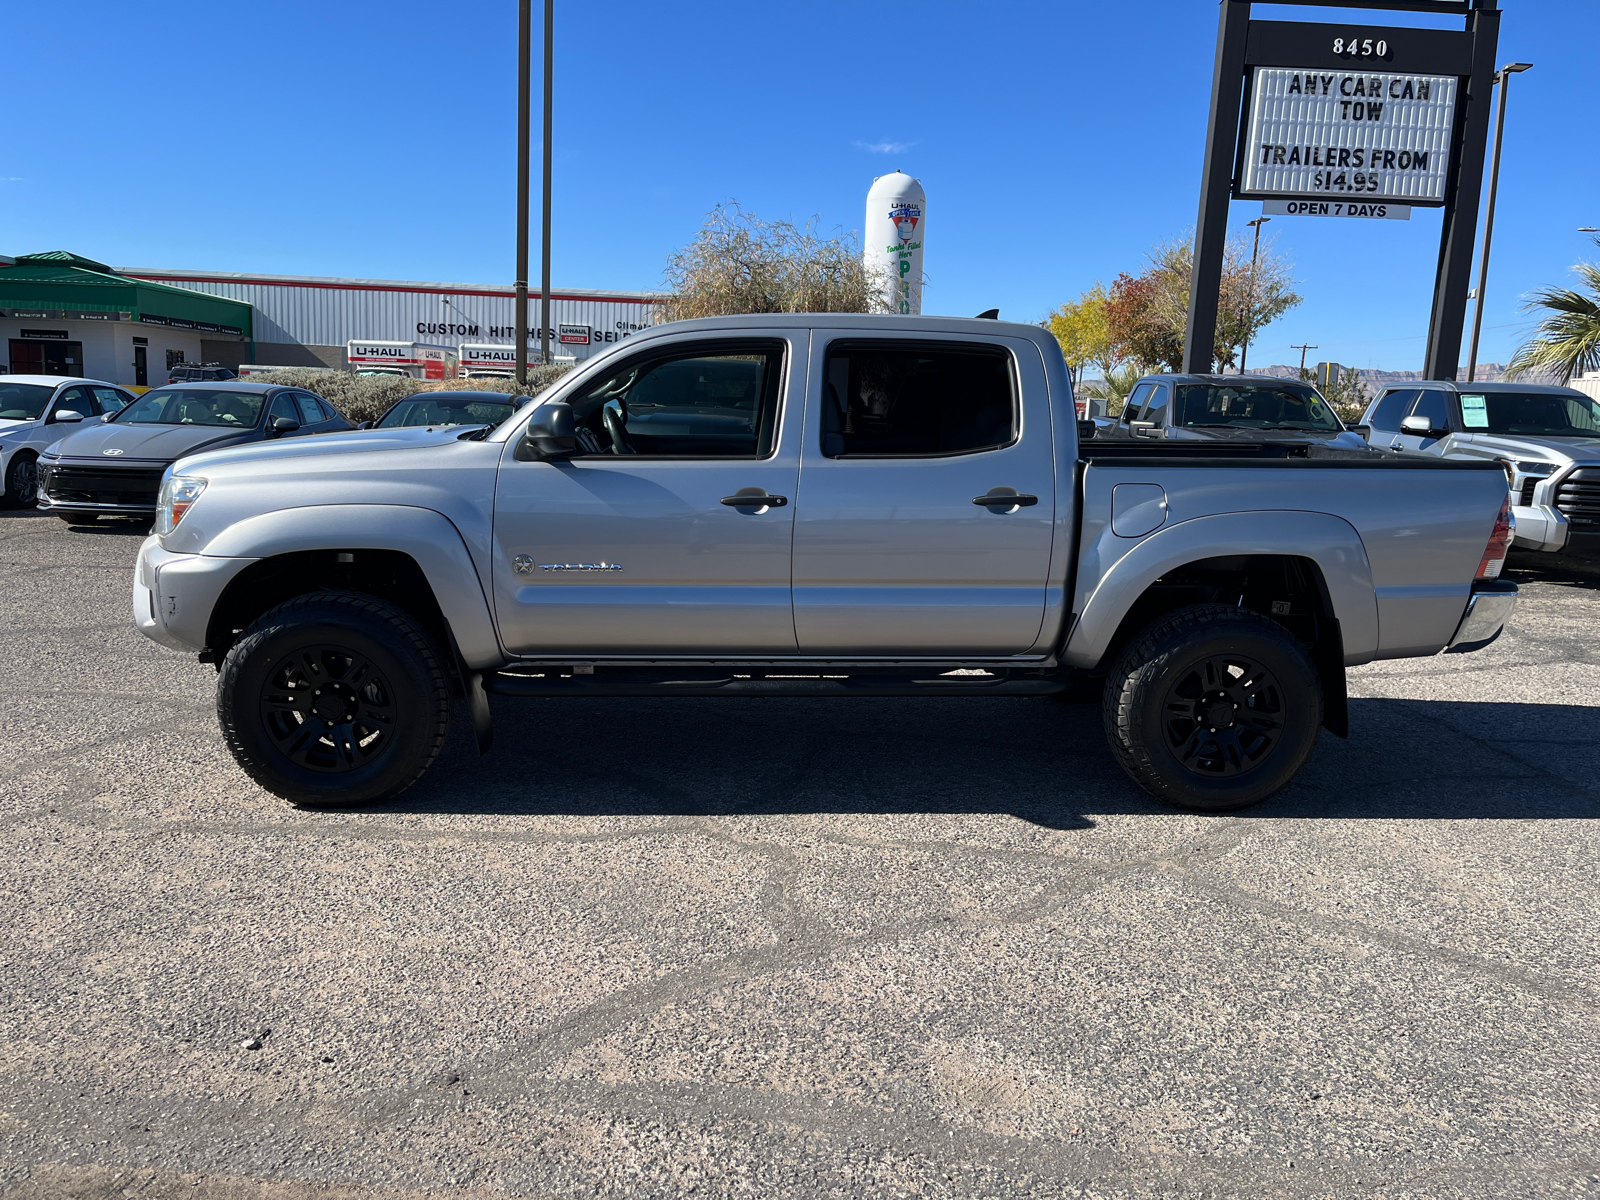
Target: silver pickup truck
[809,506]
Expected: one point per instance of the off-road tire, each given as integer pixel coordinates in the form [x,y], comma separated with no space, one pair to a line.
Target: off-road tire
[22,464]
[404,684]
[1151,729]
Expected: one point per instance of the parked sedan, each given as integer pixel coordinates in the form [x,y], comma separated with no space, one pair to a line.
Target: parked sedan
[36,410]
[1237,408]
[115,468]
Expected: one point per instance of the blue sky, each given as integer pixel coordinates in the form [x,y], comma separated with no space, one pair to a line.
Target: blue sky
[1057,141]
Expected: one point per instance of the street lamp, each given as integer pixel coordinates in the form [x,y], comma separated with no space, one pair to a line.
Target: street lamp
[1250,299]
[1503,78]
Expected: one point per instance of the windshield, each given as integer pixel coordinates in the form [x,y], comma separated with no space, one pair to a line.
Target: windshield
[193,406]
[1543,414]
[1255,406]
[431,410]
[23,401]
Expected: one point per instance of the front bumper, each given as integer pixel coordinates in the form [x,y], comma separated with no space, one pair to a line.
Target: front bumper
[174,595]
[1539,527]
[1488,610]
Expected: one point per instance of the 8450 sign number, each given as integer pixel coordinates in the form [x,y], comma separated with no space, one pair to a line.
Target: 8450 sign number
[1361,47]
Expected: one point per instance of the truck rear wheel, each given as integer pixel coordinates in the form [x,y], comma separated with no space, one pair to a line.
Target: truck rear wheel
[334,698]
[1212,708]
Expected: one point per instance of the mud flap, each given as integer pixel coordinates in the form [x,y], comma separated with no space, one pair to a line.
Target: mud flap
[478,704]
[1328,657]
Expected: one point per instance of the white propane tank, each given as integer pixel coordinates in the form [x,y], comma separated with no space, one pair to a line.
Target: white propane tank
[892,240]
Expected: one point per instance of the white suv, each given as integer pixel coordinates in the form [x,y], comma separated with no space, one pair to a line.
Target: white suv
[36,411]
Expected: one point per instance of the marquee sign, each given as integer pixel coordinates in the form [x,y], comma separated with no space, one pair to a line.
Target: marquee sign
[1348,135]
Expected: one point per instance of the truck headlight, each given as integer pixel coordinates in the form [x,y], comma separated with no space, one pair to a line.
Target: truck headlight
[178,494]
[1534,468]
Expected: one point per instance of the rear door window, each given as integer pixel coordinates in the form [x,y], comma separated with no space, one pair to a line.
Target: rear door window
[903,400]
[310,410]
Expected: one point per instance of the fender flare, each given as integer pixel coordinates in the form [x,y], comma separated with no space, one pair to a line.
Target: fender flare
[1329,541]
[429,537]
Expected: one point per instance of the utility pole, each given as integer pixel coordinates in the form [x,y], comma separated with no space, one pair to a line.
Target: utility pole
[544,275]
[1250,299]
[1303,350]
[1503,78]
[524,38]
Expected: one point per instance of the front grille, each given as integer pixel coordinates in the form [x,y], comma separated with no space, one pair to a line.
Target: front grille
[1578,498]
[97,485]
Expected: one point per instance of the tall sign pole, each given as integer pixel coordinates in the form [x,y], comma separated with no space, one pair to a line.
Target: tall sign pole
[1348,120]
[524,48]
[1211,226]
[544,272]
[1454,277]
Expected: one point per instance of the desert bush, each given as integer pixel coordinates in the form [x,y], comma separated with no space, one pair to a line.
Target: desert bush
[366,397]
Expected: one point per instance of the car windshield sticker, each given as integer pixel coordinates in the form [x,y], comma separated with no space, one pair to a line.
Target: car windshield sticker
[1474,413]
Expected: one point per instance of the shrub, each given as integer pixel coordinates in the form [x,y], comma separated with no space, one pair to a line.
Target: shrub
[367,397]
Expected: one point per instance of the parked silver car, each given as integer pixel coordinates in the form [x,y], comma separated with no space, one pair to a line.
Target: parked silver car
[35,412]
[1548,439]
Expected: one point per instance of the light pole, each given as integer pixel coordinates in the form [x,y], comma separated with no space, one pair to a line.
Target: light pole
[1503,78]
[1250,300]
[524,38]
[544,273]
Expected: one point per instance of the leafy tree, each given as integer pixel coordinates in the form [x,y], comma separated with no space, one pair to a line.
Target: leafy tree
[739,263]
[1138,323]
[1567,340]
[1082,328]
[1149,314]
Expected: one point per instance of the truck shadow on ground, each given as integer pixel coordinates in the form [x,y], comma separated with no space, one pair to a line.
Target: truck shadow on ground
[1037,760]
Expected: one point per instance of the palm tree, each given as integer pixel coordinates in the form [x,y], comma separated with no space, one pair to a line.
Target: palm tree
[1116,388]
[1567,341]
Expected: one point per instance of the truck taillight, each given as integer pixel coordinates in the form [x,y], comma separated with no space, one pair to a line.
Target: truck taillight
[1494,554]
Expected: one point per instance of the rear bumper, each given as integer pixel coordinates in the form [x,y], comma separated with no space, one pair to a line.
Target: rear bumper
[1488,609]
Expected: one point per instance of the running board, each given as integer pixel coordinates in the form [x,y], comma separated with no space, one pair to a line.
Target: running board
[620,683]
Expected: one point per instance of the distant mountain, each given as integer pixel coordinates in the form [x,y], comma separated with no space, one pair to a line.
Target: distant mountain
[1374,378]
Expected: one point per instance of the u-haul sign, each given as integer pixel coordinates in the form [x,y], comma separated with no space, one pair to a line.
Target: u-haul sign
[1348,135]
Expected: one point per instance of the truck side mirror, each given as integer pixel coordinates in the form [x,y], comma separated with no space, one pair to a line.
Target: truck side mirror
[551,433]
[1421,427]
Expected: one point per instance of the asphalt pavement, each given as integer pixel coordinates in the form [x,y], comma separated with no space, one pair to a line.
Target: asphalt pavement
[791,947]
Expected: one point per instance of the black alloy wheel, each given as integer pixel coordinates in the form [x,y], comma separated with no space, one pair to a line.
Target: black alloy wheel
[328,708]
[1223,715]
[334,698]
[1212,708]
[22,482]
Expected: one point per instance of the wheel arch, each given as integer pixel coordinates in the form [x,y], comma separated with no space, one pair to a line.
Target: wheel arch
[1314,563]
[413,558]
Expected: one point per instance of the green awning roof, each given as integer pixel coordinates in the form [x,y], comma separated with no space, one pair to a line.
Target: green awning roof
[59,282]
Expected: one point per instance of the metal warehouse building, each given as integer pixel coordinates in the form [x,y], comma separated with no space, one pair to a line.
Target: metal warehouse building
[307,320]
[62,314]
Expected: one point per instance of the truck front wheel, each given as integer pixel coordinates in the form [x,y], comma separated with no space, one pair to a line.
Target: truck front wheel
[334,698]
[1212,708]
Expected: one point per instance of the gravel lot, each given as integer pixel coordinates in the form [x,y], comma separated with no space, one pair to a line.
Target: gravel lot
[789,947]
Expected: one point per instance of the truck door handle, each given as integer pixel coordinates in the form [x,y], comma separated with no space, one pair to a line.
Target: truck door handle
[755,500]
[1006,500]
